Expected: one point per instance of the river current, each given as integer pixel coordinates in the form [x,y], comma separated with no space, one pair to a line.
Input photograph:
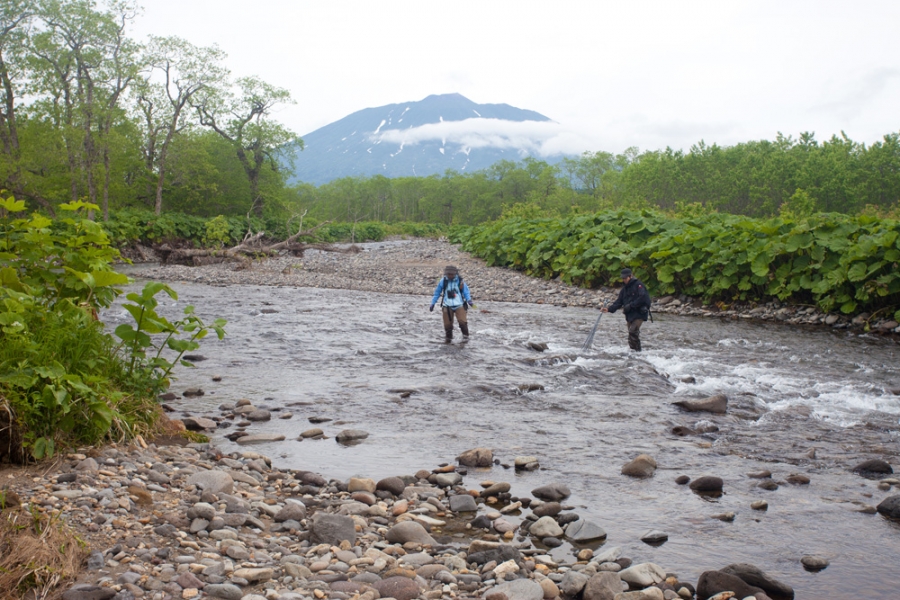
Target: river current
[808,401]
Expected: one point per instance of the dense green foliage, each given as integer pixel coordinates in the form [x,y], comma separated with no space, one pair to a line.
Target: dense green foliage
[145,227]
[835,261]
[63,378]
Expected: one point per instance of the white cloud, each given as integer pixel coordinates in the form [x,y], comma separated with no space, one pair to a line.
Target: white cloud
[542,138]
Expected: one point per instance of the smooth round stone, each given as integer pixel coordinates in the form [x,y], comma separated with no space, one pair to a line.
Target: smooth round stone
[654,537]
[814,563]
[759,505]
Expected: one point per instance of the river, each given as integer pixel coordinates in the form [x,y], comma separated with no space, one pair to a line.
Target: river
[338,354]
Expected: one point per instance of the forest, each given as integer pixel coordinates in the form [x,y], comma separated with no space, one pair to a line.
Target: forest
[161,126]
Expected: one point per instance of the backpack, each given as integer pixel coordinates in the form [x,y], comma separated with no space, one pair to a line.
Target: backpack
[446,283]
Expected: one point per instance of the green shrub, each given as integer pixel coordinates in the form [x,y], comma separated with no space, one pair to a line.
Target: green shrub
[838,262]
[63,379]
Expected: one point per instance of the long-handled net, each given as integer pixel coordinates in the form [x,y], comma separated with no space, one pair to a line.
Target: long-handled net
[589,342]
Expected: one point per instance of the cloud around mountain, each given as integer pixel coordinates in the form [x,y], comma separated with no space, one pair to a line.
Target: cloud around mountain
[543,138]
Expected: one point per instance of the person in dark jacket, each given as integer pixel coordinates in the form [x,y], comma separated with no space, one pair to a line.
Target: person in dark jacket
[635,301]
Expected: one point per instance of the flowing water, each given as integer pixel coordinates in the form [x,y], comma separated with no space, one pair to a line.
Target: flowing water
[344,355]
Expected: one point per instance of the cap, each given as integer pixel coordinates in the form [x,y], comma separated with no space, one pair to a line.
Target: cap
[625,273]
[450,269]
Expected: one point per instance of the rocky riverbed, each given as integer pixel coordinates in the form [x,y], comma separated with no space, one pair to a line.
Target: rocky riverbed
[414,266]
[171,521]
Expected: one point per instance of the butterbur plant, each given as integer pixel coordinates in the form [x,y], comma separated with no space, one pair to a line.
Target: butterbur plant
[143,353]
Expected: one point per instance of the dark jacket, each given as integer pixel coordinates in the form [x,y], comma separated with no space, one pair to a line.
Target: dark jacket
[634,298]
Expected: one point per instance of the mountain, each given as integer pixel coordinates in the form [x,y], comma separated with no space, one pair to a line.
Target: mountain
[446,131]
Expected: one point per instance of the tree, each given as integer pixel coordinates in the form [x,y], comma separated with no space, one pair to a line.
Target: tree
[183,71]
[245,121]
[15,19]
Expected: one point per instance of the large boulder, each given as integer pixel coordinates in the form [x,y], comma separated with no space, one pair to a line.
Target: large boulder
[332,529]
[755,576]
[642,466]
[890,507]
[713,582]
[717,404]
[476,457]
[603,586]
[552,492]
[409,531]
[217,482]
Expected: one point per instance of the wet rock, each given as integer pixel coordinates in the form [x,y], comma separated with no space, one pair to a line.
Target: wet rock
[526,463]
[259,438]
[317,420]
[545,527]
[874,468]
[313,433]
[351,435]
[726,517]
[332,529]
[401,588]
[198,423]
[409,531]
[552,492]
[642,575]
[717,404]
[538,346]
[707,483]
[520,589]
[759,505]
[713,582]
[547,509]
[654,536]
[603,586]
[797,479]
[753,575]
[476,457]
[258,415]
[193,392]
[394,485]
[501,487]
[582,531]
[88,592]
[759,474]
[641,467]
[463,503]
[814,563]
[890,507]
[682,480]
[768,485]
[682,431]
[217,482]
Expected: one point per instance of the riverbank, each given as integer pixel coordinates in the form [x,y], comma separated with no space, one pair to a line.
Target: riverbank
[414,266]
[173,521]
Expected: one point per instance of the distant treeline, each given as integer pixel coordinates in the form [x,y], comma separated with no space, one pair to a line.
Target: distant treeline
[89,113]
[758,179]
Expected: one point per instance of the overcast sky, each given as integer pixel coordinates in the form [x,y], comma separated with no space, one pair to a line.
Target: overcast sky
[611,74]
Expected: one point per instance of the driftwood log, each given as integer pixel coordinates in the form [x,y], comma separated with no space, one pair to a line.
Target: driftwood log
[254,245]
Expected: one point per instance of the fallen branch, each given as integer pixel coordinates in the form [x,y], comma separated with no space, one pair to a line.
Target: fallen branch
[254,245]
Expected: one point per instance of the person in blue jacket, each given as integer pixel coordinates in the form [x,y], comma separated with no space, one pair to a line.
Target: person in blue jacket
[455,301]
[635,300]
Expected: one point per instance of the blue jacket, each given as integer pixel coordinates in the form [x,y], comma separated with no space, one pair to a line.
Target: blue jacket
[452,286]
